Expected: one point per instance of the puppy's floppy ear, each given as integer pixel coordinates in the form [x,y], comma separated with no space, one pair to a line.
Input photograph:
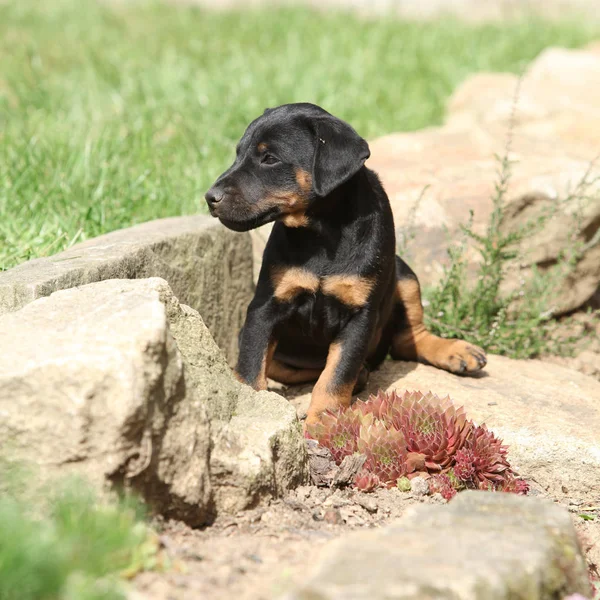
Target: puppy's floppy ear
[339,153]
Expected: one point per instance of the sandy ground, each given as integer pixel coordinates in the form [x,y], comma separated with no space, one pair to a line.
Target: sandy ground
[261,553]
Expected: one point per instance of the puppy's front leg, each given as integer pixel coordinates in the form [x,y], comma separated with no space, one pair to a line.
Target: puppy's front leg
[344,362]
[257,344]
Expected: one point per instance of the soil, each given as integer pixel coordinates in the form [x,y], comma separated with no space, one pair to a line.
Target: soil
[261,553]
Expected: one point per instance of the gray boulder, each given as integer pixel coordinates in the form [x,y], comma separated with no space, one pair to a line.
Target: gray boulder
[207,266]
[121,383]
[482,546]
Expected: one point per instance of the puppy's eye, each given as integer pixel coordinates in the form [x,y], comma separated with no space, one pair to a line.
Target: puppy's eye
[269,159]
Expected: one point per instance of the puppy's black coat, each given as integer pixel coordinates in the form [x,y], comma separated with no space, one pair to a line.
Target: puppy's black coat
[332,298]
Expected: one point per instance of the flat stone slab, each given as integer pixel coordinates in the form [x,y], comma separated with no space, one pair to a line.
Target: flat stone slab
[548,415]
[482,546]
[207,266]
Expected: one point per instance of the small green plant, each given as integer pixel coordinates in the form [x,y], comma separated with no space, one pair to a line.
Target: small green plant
[410,434]
[519,324]
[67,544]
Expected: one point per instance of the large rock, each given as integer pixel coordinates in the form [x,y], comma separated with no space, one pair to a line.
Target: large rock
[481,546]
[558,99]
[120,382]
[207,266]
[548,415]
[436,176]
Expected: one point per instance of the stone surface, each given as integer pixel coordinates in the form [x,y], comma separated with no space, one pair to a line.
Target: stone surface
[436,176]
[480,546]
[547,414]
[207,266]
[419,486]
[258,453]
[118,381]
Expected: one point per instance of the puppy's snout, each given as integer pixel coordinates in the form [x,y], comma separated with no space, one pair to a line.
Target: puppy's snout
[214,196]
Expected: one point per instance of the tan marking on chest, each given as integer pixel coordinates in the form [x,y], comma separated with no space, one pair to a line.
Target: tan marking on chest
[351,290]
[288,283]
[297,219]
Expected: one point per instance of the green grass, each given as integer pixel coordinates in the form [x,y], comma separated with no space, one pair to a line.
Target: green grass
[114,115]
[64,544]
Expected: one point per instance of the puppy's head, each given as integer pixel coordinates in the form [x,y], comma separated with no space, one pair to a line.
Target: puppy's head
[288,159]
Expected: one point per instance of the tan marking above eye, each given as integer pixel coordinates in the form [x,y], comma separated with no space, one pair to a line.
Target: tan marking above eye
[352,290]
[288,283]
[261,147]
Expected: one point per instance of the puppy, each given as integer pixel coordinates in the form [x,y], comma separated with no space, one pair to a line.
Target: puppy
[332,299]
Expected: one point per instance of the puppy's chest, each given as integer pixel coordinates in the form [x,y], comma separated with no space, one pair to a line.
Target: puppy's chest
[299,285]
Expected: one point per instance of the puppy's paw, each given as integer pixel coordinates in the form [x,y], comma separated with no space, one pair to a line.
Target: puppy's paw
[463,358]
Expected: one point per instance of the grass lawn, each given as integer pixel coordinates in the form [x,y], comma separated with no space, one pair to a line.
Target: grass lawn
[114,115]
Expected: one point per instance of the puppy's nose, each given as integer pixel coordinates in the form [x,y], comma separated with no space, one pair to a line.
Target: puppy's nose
[214,196]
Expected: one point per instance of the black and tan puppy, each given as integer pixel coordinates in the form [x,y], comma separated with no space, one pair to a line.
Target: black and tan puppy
[332,299]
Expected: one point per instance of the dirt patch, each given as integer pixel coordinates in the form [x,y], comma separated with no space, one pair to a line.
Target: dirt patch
[261,553]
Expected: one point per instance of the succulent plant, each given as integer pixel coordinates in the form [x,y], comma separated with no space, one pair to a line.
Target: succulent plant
[403,484]
[457,484]
[442,484]
[385,449]
[433,427]
[487,456]
[464,465]
[410,434]
[338,431]
[365,481]
[514,485]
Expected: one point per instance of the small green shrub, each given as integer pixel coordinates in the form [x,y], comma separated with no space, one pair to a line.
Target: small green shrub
[67,544]
[519,324]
